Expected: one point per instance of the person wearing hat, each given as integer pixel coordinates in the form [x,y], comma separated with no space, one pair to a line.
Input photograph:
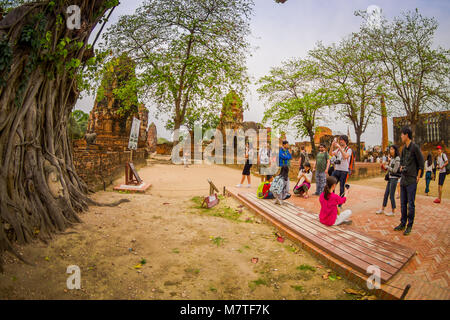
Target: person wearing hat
[442,162]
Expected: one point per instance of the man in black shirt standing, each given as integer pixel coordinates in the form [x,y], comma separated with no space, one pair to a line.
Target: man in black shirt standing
[411,167]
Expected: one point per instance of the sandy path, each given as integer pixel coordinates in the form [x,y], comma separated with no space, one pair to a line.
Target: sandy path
[165,228]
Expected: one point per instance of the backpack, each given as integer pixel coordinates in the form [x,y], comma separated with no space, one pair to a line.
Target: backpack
[262,190]
[277,185]
[351,163]
[447,167]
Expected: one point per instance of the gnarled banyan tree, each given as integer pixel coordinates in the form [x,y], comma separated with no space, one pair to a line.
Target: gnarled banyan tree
[40,191]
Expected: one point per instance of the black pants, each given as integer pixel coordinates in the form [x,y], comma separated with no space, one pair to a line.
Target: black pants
[408,198]
[390,192]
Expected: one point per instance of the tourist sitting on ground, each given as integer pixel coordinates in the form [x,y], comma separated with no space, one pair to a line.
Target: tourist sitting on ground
[247,166]
[330,214]
[263,191]
[392,166]
[304,181]
[428,168]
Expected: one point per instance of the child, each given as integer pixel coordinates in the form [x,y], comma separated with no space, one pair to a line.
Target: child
[329,202]
[304,181]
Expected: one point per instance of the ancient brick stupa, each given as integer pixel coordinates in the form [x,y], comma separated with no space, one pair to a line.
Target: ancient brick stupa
[111,118]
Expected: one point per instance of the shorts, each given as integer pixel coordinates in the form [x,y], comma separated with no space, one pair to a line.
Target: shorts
[442,178]
[246,171]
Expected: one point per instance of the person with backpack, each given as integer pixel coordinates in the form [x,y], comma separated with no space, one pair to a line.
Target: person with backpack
[322,167]
[279,186]
[304,181]
[344,161]
[263,191]
[428,167]
[303,158]
[330,214]
[392,176]
[411,168]
[444,169]
[247,166]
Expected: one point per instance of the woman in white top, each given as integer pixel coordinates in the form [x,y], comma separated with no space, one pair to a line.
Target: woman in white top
[429,166]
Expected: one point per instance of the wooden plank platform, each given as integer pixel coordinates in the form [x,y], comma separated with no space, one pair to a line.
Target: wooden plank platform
[353,247]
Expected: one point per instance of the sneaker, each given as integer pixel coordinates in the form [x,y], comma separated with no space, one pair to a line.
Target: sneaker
[437,200]
[238,185]
[389,214]
[249,186]
[400,227]
[380,211]
[407,231]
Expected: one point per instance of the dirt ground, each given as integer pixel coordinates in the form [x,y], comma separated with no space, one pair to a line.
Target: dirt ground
[162,245]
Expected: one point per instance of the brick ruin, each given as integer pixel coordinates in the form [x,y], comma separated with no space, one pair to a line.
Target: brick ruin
[102,162]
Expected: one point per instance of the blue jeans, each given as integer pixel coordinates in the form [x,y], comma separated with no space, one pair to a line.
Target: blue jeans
[407,198]
[321,180]
[428,180]
[390,192]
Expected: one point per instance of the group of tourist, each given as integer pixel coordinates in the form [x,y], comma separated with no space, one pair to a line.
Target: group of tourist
[334,167]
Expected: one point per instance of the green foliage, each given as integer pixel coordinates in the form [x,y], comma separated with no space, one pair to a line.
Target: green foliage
[77,124]
[305,267]
[189,53]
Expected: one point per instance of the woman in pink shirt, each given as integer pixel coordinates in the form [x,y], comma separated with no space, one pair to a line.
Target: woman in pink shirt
[329,202]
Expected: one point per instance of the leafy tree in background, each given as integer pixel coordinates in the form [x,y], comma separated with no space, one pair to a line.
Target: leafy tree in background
[350,71]
[417,72]
[295,96]
[189,53]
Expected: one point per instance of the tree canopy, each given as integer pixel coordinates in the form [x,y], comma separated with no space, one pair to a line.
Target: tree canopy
[189,53]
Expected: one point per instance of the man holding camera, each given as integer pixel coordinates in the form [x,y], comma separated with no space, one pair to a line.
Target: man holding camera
[343,155]
[411,167]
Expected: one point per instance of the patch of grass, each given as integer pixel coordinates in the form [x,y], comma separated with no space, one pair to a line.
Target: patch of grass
[212,289]
[298,288]
[221,210]
[218,241]
[253,284]
[305,267]
[246,247]
[175,250]
[143,261]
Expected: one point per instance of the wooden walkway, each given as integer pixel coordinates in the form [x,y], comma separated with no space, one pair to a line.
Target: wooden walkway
[352,247]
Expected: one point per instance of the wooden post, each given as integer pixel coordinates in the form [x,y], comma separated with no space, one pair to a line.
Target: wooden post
[384,137]
[405,292]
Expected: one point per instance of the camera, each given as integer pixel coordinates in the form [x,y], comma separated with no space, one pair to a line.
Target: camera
[337,161]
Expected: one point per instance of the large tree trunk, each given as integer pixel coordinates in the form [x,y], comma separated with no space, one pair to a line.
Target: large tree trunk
[40,192]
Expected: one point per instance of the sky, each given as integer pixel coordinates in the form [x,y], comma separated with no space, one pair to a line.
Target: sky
[283,31]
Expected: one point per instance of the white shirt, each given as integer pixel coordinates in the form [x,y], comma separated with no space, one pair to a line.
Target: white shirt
[441,160]
[308,175]
[343,166]
[428,167]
